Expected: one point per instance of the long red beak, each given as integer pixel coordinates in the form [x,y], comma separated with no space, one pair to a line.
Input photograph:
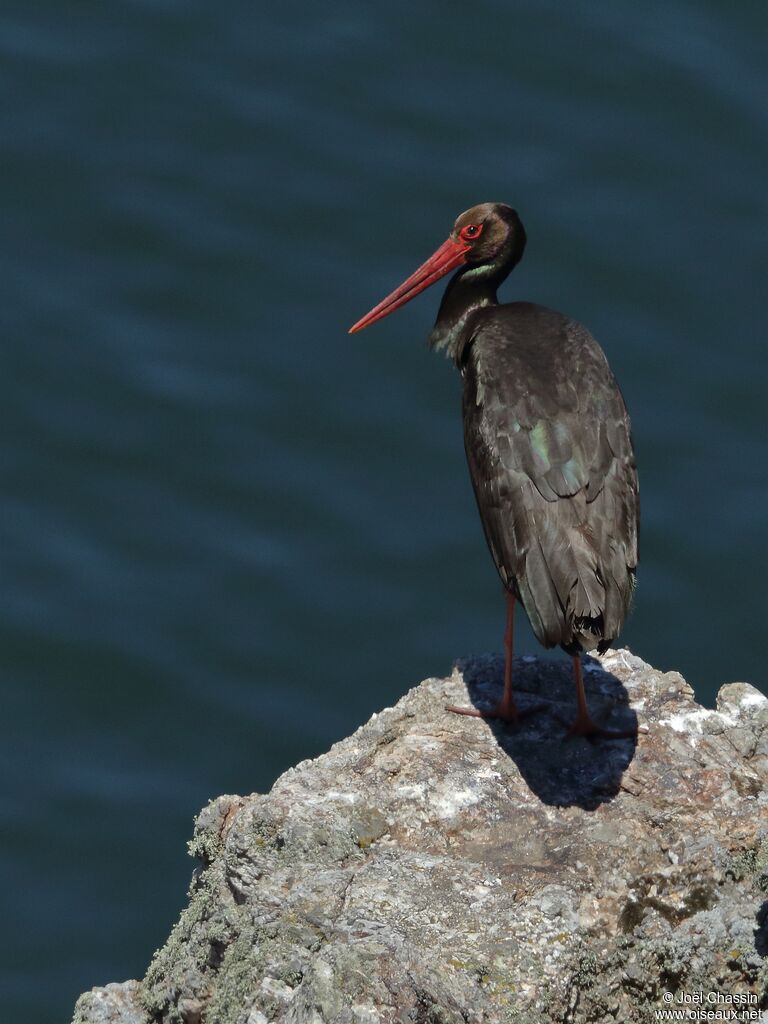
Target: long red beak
[449,256]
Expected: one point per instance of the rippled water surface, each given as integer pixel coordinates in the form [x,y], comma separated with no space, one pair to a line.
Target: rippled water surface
[230,531]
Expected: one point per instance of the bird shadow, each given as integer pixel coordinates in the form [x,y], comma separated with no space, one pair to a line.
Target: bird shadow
[562,770]
[761,931]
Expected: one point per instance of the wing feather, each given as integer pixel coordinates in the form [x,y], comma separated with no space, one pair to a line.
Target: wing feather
[550,454]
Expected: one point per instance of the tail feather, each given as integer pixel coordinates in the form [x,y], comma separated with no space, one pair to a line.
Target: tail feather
[574,597]
[541,599]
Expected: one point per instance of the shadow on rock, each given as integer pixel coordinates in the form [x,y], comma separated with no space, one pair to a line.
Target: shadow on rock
[761,932]
[562,770]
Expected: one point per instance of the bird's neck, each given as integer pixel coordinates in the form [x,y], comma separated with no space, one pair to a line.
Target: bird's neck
[470,289]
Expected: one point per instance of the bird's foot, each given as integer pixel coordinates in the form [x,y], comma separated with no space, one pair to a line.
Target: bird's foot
[510,713]
[584,726]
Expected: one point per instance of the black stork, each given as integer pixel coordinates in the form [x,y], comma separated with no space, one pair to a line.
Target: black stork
[548,442]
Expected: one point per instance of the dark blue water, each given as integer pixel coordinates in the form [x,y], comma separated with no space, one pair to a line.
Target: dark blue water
[230,531]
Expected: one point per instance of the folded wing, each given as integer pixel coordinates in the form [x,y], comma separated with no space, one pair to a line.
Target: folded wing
[550,454]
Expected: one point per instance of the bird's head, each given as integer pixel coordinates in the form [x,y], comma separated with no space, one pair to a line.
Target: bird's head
[493,233]
[486,242]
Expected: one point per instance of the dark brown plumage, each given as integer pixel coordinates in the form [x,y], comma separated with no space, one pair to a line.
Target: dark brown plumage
[548,443]
[550,456]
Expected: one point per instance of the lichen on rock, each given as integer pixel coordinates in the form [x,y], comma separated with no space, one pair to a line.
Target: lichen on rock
[436,869]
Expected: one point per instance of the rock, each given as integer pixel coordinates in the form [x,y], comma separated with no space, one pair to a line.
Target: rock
[435,869]
[113,1004]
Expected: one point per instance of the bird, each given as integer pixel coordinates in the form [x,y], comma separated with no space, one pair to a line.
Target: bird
[549,447]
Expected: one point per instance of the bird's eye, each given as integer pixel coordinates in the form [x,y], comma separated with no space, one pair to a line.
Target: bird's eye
[471,231]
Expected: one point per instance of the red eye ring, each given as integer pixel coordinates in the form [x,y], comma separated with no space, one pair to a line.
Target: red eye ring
[470,232]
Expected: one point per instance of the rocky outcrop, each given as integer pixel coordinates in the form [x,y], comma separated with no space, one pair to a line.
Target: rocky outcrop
[435,869]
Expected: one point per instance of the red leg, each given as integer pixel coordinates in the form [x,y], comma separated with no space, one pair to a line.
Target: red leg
[583,724]
[506,709]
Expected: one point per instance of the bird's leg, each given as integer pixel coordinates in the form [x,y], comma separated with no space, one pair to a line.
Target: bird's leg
[583,724]
[506,709]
